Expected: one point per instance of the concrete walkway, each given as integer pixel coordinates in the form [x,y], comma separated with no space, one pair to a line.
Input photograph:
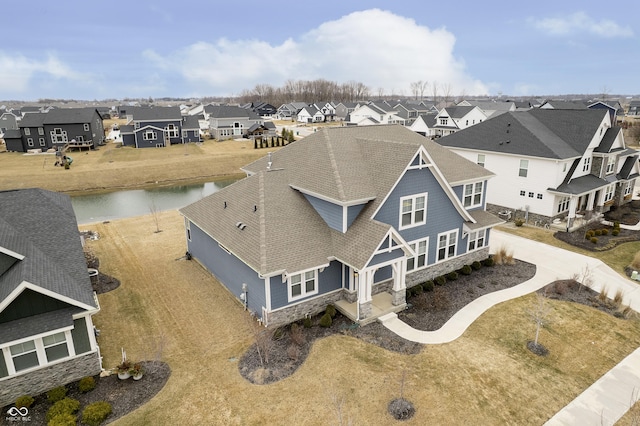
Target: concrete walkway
[606,400]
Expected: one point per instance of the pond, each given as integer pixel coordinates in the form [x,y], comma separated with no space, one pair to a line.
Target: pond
[138,202]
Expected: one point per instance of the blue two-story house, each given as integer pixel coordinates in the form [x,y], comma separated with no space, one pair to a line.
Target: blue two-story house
[153,127]
[349,216]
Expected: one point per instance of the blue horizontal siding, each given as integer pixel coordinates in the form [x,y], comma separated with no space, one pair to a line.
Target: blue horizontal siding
[329,279]
[329,212]
[228,269]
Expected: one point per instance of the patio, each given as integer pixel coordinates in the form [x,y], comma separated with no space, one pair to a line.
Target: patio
[381,304]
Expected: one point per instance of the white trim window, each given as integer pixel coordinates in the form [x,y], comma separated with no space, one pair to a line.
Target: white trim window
[628,188]
[30,141]
[185,134]
[149,135]
[447,243]
[586,164]
[608,195]
[481,160]
[302,285]
[473,194]
[563,204]
[55,346]
[420,260]
[477,239]
[611,165]
[413,210]
[40,131]
[27,131]
[24,355]
[524,168]
[86,127]
[172,130]
[41,141]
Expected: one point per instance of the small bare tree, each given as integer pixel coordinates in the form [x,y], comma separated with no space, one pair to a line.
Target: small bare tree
[263,338]
[539,315]
[584,277]
[153,209]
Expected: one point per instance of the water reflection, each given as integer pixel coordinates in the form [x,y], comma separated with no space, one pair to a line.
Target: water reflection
[137,202]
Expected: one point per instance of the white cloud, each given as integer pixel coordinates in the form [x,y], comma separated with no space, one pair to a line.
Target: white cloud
[375,47]
[580,22]
[18,72]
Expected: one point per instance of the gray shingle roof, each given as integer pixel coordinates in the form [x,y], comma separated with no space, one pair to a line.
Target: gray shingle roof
[70,116]
[12,134]
[350,165]
[156,113]
[459,111]
[545,133]
[41,226]
[229,111]
[609,138]
[190,122]
[33,119]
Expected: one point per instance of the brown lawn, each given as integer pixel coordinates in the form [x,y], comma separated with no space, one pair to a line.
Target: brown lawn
[111,167]
[174,310]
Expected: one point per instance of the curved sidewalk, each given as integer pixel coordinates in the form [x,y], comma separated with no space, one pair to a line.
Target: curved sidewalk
[607,399]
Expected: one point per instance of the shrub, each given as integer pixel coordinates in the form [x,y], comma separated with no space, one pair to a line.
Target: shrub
[488,262]
[441,300]
[597,232]
[296,335]
[441,280]
[615,232]
[588,235]
[331,310]
[293,352]
[452,276]
[66,419]
[466,270]
[306,323]
[64,406]
[56,394]
[605,231]
[86,384]
[428,285]
[616,225]
[96,413]
[24,401]
[594,240]
[617,298]
[417,290]
[325,321]
[519,222]
[476,265]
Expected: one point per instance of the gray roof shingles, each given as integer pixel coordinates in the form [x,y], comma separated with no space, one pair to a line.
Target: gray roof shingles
[348,165]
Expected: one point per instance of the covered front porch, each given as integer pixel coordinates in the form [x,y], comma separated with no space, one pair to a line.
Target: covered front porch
[583,201]
[381,304]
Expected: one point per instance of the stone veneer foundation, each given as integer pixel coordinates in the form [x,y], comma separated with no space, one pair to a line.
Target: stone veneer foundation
[44,379]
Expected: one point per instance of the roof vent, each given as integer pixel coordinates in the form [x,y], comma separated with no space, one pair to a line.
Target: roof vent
[241,226]
[255,208]
[225,204]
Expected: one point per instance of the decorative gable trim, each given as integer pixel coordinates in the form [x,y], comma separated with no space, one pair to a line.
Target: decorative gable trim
[422,160]
[27,285]
[391,241]
[332,200]
[11,253]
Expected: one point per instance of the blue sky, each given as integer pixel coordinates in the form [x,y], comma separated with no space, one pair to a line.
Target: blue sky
[95,50]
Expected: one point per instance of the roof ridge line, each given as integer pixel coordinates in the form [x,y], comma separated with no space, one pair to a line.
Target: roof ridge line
[334,166]
[262,223]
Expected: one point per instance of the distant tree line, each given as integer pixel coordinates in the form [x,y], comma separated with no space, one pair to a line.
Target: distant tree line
[307,91]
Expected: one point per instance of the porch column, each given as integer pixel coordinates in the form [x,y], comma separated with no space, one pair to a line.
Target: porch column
[573,202]
[590,201]
[365,281]
[399,290]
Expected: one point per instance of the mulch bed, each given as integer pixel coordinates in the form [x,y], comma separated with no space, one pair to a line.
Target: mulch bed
[124,395]
[627,214]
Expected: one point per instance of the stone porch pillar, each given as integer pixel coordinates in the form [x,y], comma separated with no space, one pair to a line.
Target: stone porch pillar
[399,290]
[364,284]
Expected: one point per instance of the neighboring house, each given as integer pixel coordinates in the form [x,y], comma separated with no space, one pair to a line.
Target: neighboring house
[550,104]
[634,108]
[552,164]
[613,107]
[310,114]
[425,125]
[8,121]
[290,110]
[32,134]
[327,109]
[405,110]
[490,108]
[13,141]
[263,109]
[73,127]
[375,113]
[230,122]
[155,127]
[452,119]
[348,215]
[191,128]
[46,299]
[344,109]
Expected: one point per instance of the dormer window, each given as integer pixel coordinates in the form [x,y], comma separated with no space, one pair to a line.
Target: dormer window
[473,194]
[444,121]
[611,165]
[586,164]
